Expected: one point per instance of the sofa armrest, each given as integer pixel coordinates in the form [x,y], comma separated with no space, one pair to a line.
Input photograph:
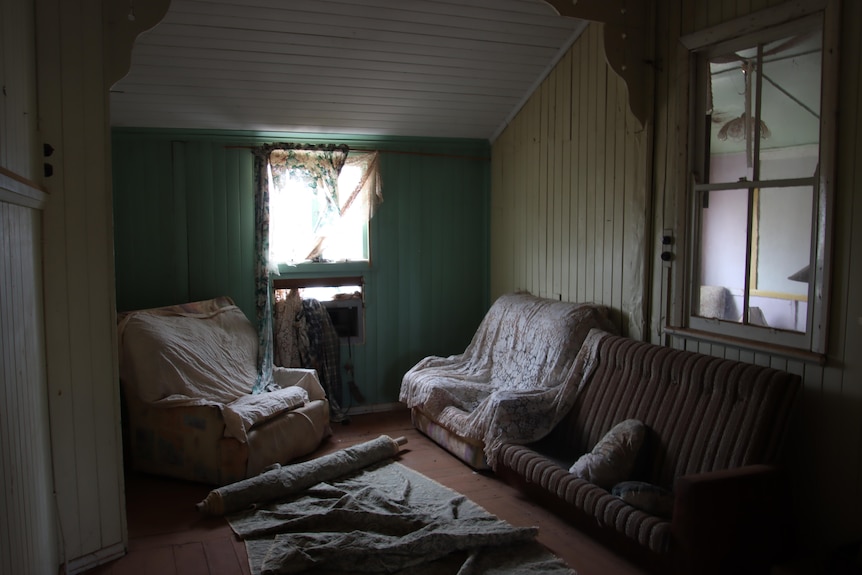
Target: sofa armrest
[305,378]
[730,521]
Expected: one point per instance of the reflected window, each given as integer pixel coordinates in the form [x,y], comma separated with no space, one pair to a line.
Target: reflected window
[756,194]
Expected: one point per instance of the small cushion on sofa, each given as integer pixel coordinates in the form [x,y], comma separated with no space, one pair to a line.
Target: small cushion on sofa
[613,458]
[646,496]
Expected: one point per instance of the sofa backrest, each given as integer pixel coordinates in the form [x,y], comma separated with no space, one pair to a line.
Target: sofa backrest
[703,413]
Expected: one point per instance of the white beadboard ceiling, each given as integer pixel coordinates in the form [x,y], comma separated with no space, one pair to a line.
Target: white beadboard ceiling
[375,67]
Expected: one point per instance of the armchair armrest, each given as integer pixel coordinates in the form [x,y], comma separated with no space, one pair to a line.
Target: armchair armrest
[732,520]
[300,377]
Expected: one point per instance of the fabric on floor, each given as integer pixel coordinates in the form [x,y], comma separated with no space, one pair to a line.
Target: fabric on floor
[290,479]
[387,519]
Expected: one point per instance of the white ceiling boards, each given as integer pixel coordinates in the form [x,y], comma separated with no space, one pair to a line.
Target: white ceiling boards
[380,67]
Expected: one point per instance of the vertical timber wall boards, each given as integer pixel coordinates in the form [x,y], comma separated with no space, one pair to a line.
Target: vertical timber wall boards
[569,191]
[29,543]
[184,230]
[580,197]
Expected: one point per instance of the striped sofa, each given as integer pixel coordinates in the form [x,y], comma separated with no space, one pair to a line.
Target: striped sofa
[714,434]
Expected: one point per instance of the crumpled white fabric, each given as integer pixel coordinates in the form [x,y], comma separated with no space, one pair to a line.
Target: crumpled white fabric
[389,519]
[179,358]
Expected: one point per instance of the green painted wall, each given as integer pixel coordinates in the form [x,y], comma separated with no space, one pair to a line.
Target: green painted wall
[183,229]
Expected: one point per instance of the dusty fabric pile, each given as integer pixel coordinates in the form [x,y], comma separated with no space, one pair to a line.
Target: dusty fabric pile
[387,519]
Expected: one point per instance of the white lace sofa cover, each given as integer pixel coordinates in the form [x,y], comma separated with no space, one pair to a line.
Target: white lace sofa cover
[513,383]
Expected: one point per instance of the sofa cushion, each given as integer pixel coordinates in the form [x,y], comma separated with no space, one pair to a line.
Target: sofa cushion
[522,465]
[613,458]
[682,397]
[646,496]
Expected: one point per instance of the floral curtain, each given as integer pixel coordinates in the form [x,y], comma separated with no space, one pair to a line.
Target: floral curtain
[318,167]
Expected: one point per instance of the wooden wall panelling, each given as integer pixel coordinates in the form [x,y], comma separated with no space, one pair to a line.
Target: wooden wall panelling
[242,250]
[57,323]
[79,273]
[561,237]
[404,243]
[582,47]
[171,211]
[573,191]
[502,212]
[544,167]
[532,257]
[826,437]
[28,536]
[636,232]
[592,138]
[555,201]
[578,202]
[426,289]
[473,223]
[20,147]
[203,201]
[150,235]
[853,380]
[523,150]
[615,128]
[661,167]
[29,541]
[441,253]
[842,380]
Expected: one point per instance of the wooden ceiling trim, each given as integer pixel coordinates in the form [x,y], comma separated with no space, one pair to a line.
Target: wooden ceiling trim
[626,42]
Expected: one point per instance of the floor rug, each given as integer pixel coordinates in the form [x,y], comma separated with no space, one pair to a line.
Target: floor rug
[387,518]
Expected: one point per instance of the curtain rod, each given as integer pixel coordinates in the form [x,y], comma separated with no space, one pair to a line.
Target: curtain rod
[404,152]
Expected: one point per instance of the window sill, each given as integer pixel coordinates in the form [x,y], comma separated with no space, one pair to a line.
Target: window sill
[323,268]
[757,346]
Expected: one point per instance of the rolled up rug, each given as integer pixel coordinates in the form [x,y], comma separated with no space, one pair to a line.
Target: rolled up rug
[290,479]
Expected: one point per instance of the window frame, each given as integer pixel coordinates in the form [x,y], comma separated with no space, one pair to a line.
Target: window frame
[760,28]
[330,267]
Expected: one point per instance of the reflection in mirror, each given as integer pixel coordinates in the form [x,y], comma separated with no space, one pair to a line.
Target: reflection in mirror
[762,106]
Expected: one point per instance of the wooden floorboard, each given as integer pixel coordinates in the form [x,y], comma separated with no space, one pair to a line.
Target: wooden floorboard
[168,535]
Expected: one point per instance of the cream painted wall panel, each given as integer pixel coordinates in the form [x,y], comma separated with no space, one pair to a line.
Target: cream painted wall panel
[18,136]
[578,205]
[562,223]
[580,165]
[28,519]
[79,301]
[825,455]
[502,210]
[28,536]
